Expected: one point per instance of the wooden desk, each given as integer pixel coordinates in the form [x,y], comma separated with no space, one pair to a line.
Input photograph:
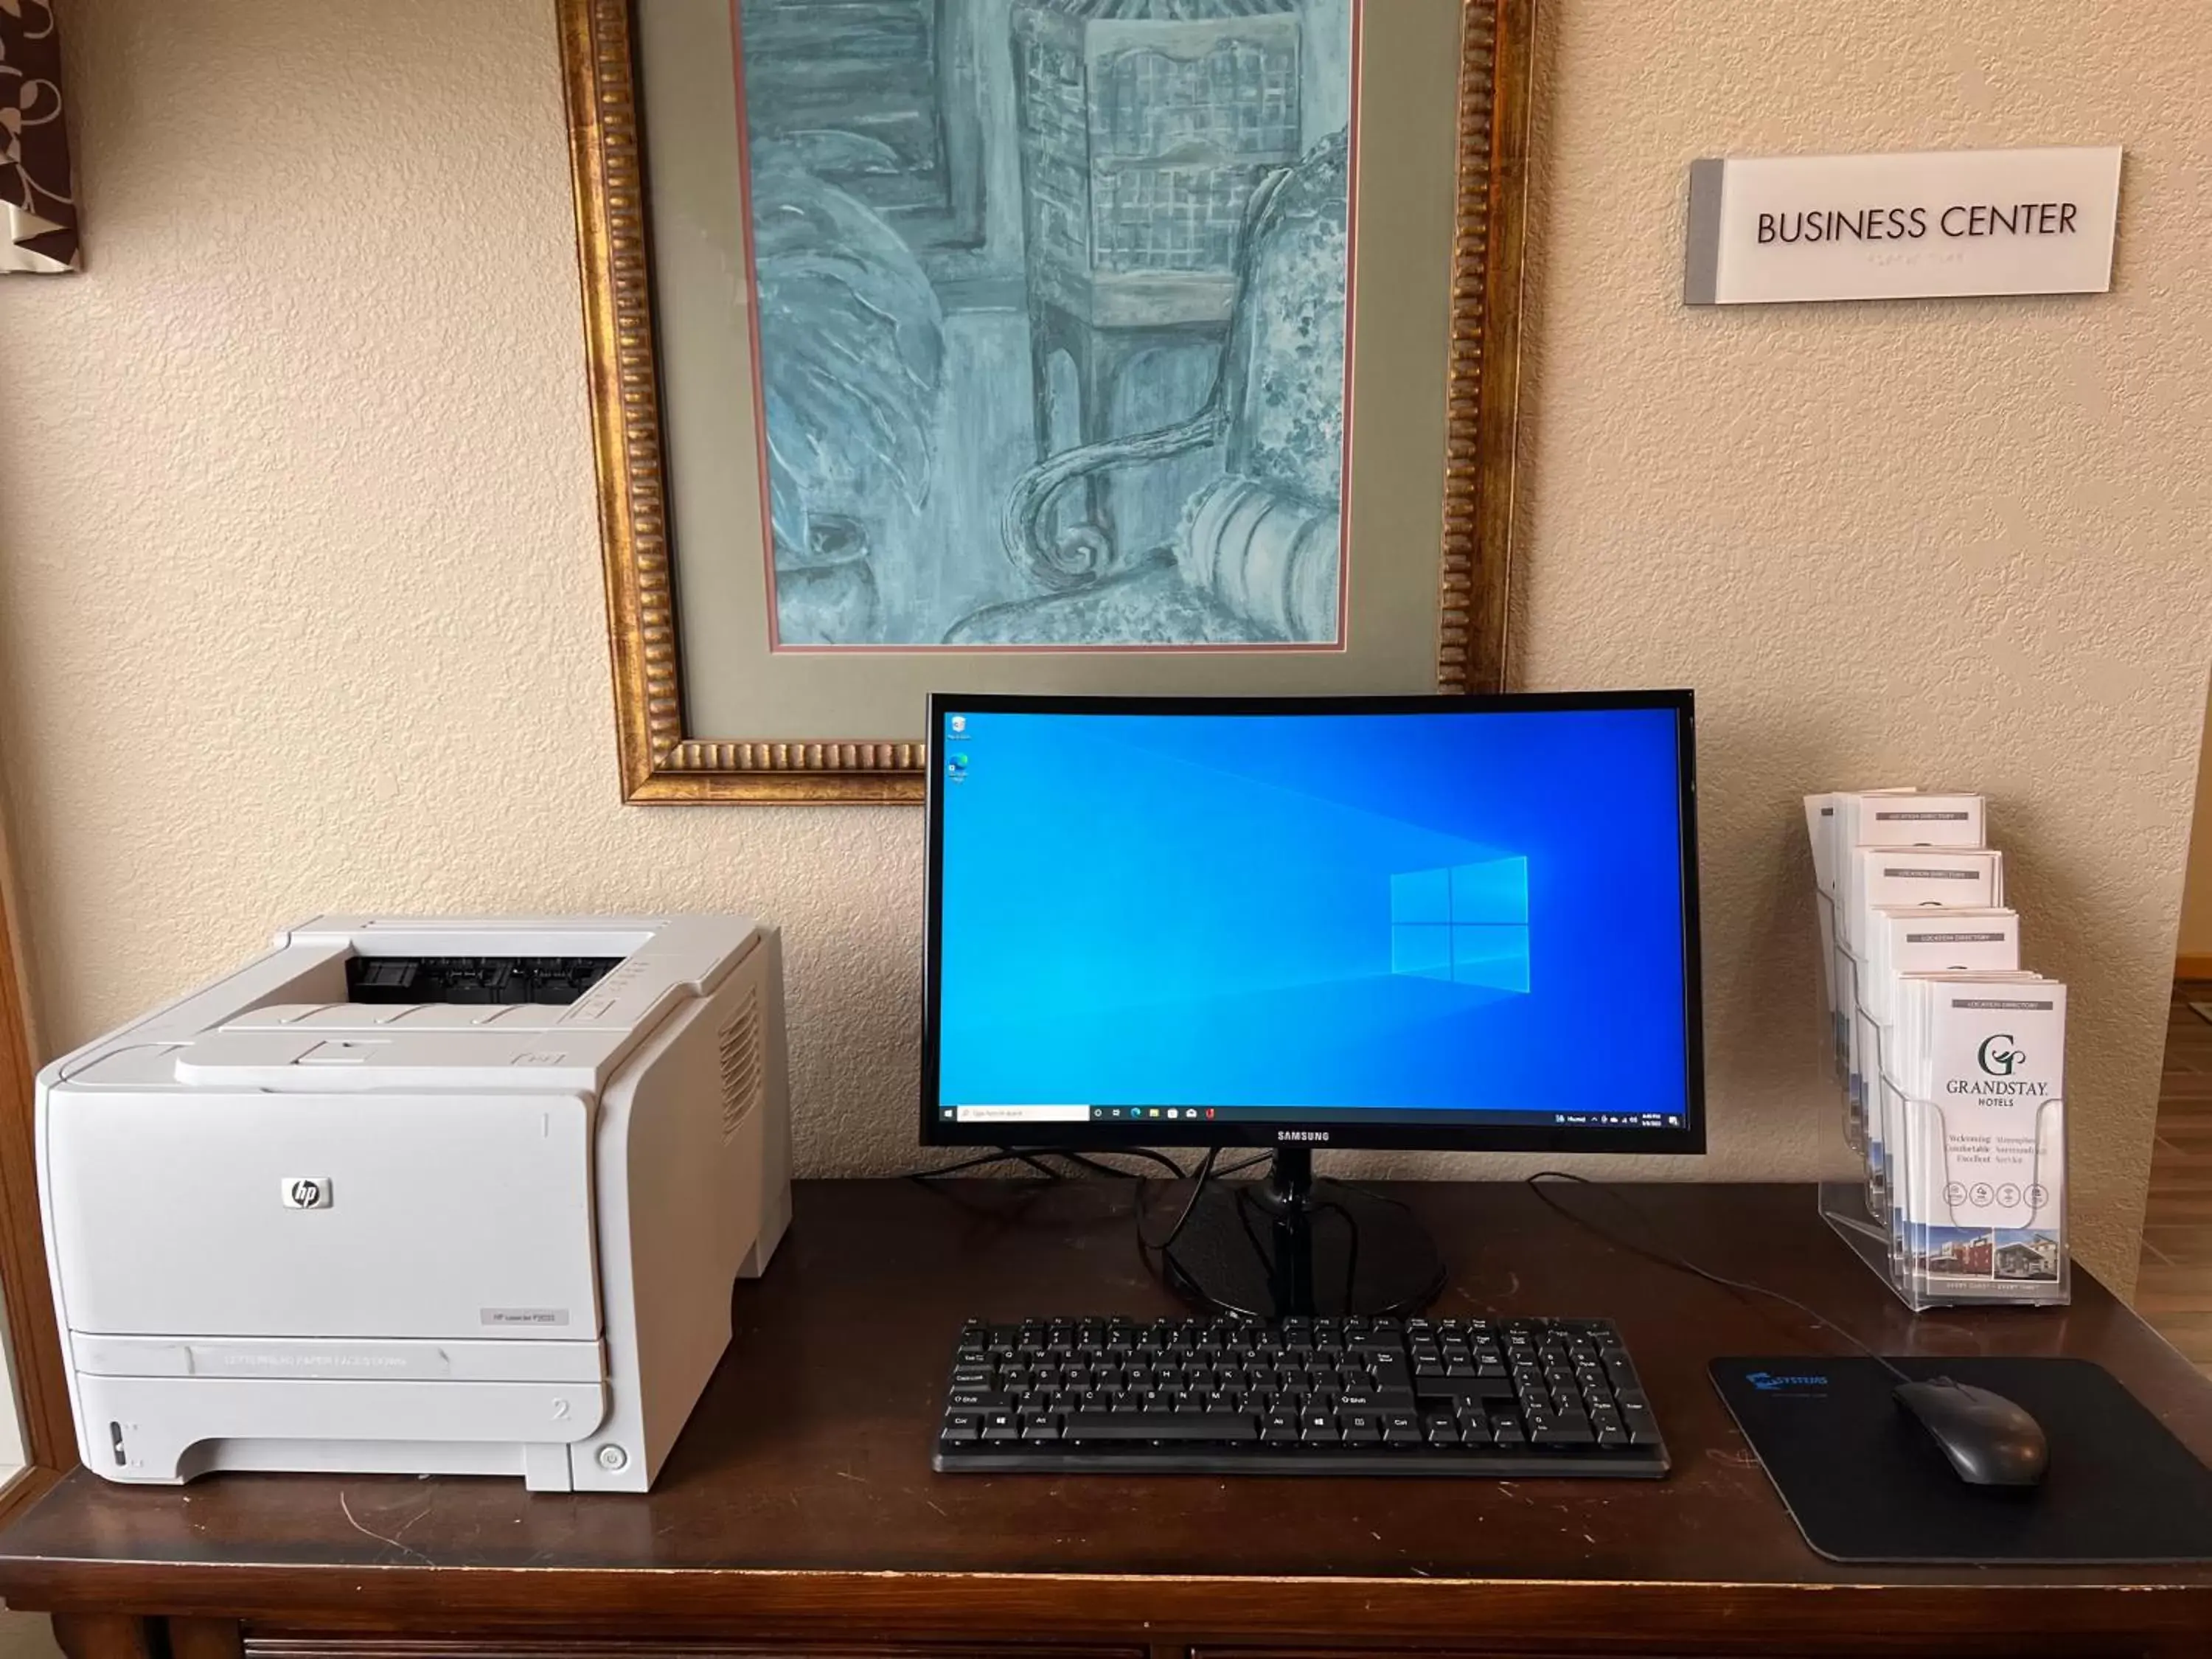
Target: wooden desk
[799,1516]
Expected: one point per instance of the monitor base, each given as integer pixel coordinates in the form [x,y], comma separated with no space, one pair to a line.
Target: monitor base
[1289,1246]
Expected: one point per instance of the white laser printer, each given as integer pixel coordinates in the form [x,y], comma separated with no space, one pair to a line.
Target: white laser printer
[421,1197]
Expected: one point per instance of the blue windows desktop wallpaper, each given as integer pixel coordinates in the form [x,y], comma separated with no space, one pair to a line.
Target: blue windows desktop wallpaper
[1464,912]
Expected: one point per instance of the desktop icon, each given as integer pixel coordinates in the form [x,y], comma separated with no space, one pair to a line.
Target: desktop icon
[959,724]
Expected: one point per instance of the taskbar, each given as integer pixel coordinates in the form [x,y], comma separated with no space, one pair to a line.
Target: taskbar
[1147,1117]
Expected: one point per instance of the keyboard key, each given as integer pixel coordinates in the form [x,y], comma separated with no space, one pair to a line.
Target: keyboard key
[1466,1388]
[1376,1400]
[1561,1434]
[961,1425]
[1319,1429]
[1185,1427]
[1402,1428]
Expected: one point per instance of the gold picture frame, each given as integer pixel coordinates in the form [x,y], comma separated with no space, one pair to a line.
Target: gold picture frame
[661,760]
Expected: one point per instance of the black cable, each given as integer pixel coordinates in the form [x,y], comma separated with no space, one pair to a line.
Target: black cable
[1197,1186]
[1029,1155]
[1366,1191]
[1082,1162]
[1683,1264]
[1089,1161]
[1003,1155]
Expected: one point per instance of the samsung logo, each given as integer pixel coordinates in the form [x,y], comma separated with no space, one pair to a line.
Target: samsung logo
[1301,1135]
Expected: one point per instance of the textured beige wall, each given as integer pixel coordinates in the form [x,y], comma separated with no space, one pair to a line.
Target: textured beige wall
[2196,896]
[300,607]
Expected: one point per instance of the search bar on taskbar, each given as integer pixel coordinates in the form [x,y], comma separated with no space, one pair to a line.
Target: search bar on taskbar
[1022,1114]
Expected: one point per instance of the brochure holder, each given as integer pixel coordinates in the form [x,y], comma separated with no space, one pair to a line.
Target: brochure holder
[1928,1231]
[1935,1266]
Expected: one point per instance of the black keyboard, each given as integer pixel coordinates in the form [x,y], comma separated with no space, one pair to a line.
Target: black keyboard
[1492,1397]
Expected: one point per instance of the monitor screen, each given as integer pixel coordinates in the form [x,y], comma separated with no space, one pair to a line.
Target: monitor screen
[1434,922]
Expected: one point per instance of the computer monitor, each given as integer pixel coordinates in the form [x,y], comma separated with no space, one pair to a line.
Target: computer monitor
[1435,923]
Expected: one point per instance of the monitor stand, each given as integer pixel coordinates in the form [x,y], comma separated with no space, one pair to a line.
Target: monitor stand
[1289,1245]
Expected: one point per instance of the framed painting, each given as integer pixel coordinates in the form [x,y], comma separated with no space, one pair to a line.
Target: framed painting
[1073,345]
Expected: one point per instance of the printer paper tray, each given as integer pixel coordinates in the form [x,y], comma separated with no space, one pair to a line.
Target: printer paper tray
[166,1429]
[359,1359]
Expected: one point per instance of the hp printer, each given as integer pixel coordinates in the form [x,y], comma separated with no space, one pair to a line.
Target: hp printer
[421,1197]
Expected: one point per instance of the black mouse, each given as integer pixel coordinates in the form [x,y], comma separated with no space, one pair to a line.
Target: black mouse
[1989,1441]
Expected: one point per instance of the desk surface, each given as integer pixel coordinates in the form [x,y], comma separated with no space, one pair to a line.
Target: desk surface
[802,1494]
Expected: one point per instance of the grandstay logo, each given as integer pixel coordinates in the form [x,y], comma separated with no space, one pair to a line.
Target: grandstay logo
[1996,1060]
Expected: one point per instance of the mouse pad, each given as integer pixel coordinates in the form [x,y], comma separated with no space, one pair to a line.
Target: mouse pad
[1864,1482]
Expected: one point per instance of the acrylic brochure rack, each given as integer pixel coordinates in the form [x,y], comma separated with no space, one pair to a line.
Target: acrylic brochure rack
[1963,1197]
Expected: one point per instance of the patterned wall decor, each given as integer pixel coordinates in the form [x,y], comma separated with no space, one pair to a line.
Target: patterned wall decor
[38,203]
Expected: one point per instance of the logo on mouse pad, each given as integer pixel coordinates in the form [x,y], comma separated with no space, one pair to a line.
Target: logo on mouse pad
[1786,1383]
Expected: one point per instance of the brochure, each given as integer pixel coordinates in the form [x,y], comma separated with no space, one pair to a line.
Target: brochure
[1985,1186]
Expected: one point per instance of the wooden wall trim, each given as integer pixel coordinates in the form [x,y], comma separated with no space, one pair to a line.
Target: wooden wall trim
[24,1488]
[41,1384]
[2193,967]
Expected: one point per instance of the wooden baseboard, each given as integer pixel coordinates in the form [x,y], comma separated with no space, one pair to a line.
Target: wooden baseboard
[2192,967]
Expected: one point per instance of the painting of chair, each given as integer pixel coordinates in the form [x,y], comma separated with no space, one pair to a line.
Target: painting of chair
[1257,557]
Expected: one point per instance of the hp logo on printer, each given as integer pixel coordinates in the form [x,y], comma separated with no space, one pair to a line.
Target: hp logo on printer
[306,1192]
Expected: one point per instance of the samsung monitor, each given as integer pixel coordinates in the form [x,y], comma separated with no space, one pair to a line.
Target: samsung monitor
[1434,923]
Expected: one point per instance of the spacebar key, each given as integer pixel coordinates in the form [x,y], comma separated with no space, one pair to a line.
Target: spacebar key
[1466,1388]
[1146,1425]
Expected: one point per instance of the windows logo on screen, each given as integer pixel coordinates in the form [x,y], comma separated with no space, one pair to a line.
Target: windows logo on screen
[1468,924]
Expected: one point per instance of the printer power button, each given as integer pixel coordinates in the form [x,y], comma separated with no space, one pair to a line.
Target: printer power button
[612,1458]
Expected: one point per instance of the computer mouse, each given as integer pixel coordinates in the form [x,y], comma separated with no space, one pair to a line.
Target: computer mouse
[1989,1441]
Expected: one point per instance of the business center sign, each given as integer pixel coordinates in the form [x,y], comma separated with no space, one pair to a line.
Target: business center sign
[1770,230]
